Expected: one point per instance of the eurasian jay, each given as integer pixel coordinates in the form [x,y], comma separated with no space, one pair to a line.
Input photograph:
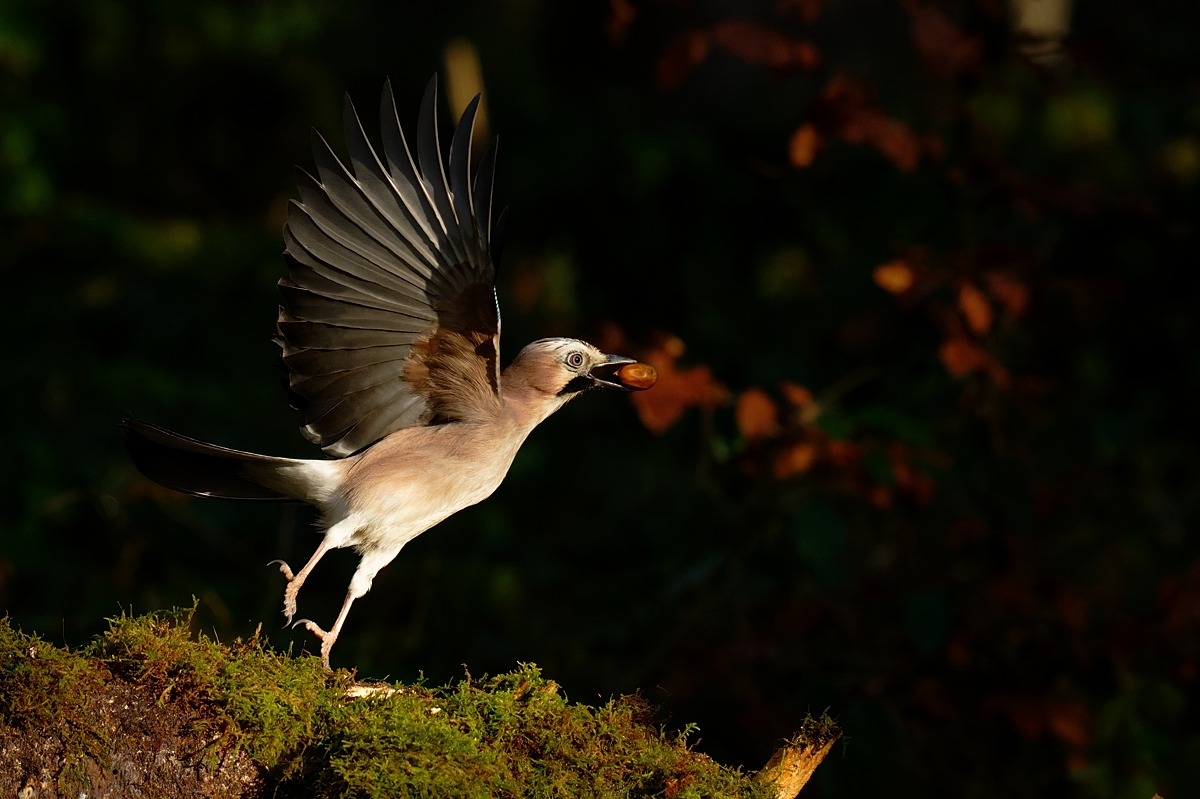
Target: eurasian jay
[390,330]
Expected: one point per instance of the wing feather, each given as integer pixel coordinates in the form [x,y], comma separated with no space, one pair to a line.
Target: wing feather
[324,362]
[350,268]
[390,317]
[460,176]
[484,179]
[381,421]
[433,177]
[351,380]
[385,195]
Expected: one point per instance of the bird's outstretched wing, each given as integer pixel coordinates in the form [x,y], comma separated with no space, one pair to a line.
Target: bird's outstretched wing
[390,317]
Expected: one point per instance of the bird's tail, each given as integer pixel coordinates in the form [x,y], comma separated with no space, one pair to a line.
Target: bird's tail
[206,470]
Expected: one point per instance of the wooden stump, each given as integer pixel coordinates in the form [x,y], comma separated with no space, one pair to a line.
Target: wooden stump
[792,766]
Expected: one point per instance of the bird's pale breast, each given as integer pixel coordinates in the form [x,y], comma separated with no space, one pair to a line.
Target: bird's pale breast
[417,477]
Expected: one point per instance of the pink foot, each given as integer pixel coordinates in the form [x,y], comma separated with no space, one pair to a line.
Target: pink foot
[327,638]
[292,590]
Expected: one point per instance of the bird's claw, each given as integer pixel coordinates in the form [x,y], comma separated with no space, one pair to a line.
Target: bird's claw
[284,568]
[289,593]
[311,626]
[289,606]
[325,638]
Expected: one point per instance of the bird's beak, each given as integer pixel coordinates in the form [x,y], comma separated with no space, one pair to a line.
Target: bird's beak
[622,374]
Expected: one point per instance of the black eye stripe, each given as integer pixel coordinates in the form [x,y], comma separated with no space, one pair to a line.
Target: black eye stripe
[576,385]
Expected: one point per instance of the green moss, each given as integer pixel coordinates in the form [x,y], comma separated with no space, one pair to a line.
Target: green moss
[44,690]
[515,735]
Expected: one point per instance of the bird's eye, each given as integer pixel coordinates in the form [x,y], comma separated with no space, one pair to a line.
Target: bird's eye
[575,360]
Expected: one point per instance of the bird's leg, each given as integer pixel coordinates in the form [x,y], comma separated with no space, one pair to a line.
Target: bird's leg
[297,580]
[372,561]
[329,638]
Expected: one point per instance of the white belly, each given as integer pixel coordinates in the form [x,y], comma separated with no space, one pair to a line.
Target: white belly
[400,491]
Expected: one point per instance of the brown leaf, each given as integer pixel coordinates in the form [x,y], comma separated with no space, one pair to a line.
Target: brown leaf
[758,44]
[529,283]
[1024,712]
[975,308]
[756,414]
[1008,290]
[843,454]
[798,395]
[961,356]
[1070,722]
[896,276]
[806,10]
[621,14]
[880,497]
[797,458]
[806,55]
[802,147]
[896,141]
[611,338]
[676,389]
[942,45]
[848,109]
[916,483]
[752,42]
[686,51]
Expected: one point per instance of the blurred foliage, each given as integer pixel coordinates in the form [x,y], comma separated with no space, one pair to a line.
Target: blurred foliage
[927,459]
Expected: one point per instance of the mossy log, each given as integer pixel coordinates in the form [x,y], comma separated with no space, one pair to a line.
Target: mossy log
[148,710]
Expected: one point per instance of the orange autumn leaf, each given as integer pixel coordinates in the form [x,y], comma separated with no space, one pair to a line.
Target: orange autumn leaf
[1008,290]
[961,357]
[847,108]
[752,42]
[1071,723]
[687,50]
[795,459]
[942,45]
[896,277]
[798,395]
[975,308]
[896,141]
[806,10]
[1024,713]
[756,414]
[806,55]
[749,41]
[677,389]
[843,454]
[879,496]
[802,147]
[621,14]
[913,481]
[803,399]
[758,44]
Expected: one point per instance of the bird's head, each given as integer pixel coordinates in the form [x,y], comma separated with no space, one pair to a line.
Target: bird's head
[565,367]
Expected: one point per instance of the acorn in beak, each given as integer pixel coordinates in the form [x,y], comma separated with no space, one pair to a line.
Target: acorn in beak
[623,374]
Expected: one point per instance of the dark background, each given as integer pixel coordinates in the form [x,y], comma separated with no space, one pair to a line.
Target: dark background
[976,546]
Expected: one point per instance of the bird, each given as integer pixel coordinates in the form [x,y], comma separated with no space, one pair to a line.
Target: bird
[390,332]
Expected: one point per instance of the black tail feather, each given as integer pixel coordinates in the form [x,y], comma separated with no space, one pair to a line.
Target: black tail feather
[193,467]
